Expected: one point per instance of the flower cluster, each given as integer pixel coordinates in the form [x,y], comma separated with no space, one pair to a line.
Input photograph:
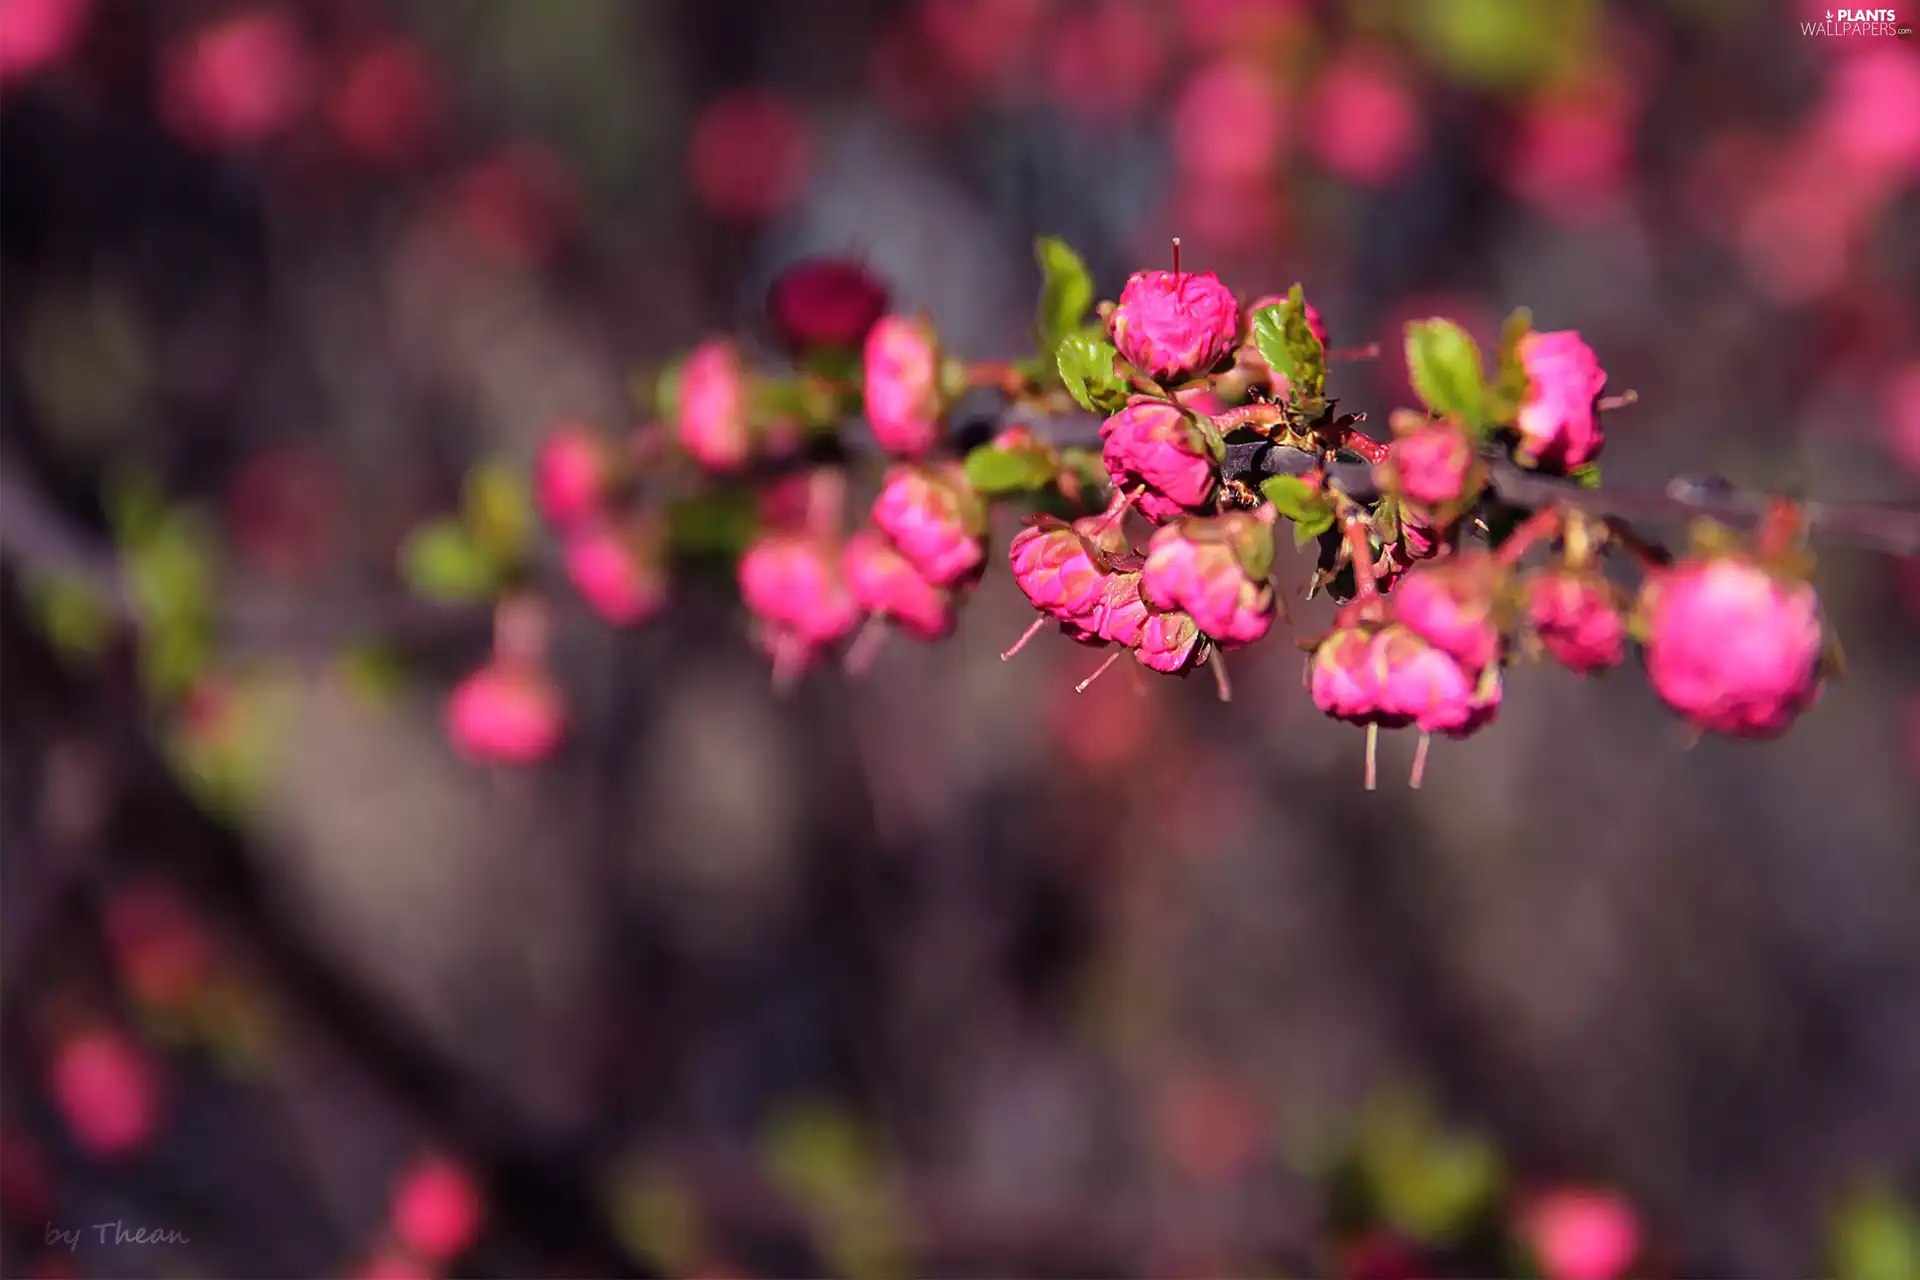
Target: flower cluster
[1161,542]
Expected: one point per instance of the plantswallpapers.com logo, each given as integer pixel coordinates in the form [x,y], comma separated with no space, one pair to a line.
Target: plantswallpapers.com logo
[1859,22]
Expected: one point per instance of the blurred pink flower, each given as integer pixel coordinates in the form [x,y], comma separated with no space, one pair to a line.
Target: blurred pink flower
[1342,678]
[711,419]
[159,947]
[793,583]
[517,204]
[38,33]
[387,105]
[825,302]
[885,585]
[902,385]
[1871,116]
[1578,618]
[1229,122]
[1558,424]
[1365,124]
[1582,1235]
[749,155]
[107,1090]
[570,475]
[910,78]
[437,1209]
[617,572]
[1240,24]
[936,520]
[1731,648]
[239,81]
[1901,397]
[1107,60]
[1449,604]
[1571,155]
[1432,463]
[982,41]
[506,713]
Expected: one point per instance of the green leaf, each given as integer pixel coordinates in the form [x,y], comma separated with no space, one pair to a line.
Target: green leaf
[1586,475]
[72,617]
[1509,390]
[1875,1237]
[1086,365]
[992,470]
[442,561]
[665,398]
[1445,366]
[1290,347]
[498,510]
[1429,1183]
[716,525]
[1311,511]
[1066,291]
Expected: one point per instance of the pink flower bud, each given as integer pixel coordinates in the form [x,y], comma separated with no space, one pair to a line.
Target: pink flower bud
[437,1210]
[1169,642]
[1450,606]
[903,386]
[570,475]
[1582,1235]
[935,519]
[1161,446]
[825,302]
[792,582]
[1175,325]
[1366,125]
[1342,678]
[1420,684]
[1557,422]
[885,585]
[506,713]
[1730,647]
[386,105]
[1215,569]
[394,1264]
[159,948]
[711,423]
[1054,568]
[108,1092]
[1578,618]
[617,572]
[1432,464]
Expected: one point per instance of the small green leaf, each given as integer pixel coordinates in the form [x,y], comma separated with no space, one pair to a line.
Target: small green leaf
[1287,343]
[498,511]
[72,617]
[1066,291]
[716,525]
[1875,1237]
[992,470]
[665,399]
[442,561]
[1270,337]
[1509,389]
[1586,475]
[1445,366]
[1087,367]
[1311,511]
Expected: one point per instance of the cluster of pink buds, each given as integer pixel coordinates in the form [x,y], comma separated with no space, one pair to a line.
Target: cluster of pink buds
[1163,456]
[614,553]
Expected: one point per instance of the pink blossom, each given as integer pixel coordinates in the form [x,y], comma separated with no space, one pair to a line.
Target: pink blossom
[387,104]
[1572,155]
[570,475]
[159,947]
[240,81]
[1107,59]
[1216,570]
[1557,422]
[617,572]
[1433,464]
[517,204]
[711,422]
[1054,567]
[825,302]
[1366,125]
[1578,619]
[437,1210]
[1120,617]
[1342,678]
[506,713]
[1230,122]
[394,1264]
[885,585]
[749,155]
[1450,606]
[38,33]
[1162,447]
[1730,647]
[902,386]
[107,1090]
[1582,1235]
[935,519]
[1169,641]
[1175,325]
[792,582]
[974,37]
[1420,684]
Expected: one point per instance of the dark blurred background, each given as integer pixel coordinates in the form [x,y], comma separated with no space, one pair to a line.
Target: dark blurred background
[947,970]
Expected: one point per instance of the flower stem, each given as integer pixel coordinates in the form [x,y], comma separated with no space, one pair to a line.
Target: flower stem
[1542,526]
